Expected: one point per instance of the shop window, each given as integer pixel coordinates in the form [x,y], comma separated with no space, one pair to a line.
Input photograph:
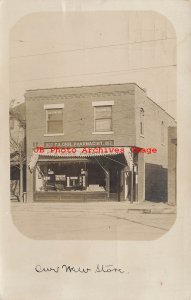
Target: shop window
[142,122]
[162,132]
[59,176]
[54,119]
[11,123]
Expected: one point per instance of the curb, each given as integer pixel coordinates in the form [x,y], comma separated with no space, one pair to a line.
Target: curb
[152,210]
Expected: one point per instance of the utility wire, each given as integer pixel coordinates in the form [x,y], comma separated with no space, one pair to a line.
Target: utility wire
[87,48]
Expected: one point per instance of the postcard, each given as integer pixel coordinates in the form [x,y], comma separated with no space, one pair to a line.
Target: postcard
[94,150]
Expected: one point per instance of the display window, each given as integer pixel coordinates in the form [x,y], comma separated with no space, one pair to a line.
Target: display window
[61,176]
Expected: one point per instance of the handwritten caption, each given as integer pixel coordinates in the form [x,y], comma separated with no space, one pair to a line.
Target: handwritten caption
[99,268]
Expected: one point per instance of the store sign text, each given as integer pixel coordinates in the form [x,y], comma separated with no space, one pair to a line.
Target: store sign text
[100,143]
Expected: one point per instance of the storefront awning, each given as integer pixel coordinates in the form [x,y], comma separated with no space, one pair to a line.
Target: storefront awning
[82,153]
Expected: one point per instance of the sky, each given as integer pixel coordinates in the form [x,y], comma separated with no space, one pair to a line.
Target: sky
[49,50]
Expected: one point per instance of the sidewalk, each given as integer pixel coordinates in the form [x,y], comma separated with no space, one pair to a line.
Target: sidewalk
[145,207]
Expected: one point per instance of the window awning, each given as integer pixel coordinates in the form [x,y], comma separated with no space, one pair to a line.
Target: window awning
[81,153]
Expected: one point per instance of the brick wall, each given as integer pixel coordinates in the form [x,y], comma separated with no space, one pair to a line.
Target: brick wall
[155,164]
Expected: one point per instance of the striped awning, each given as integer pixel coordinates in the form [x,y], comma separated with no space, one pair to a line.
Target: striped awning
[82,153]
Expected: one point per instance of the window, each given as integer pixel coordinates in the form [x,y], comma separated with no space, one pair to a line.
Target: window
[103,117]
[162,133]
[54,118]
[11,123]
[142,122]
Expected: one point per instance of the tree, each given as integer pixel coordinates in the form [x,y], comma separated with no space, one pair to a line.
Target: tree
[17,142]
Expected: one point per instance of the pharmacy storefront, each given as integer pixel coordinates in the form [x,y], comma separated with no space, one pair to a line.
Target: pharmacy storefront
[81,173]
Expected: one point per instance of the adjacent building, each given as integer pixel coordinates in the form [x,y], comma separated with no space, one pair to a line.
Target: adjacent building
[17,126]
[82,144]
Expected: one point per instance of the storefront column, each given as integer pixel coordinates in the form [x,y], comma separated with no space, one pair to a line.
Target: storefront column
[141,177]
[107,174]
[132,184]
[126,179]
[136,182]
[118,185]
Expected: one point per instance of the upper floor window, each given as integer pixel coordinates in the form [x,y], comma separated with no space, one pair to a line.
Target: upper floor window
[142,122]
[162,133]
[54,118]
[103,116]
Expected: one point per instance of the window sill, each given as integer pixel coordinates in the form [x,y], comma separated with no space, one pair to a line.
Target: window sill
[103,132]
[53,134]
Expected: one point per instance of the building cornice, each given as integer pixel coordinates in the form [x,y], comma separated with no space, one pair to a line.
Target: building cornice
[38,95]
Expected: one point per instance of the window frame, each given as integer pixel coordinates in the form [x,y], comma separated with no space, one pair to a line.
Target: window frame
[103,104]
[47,108]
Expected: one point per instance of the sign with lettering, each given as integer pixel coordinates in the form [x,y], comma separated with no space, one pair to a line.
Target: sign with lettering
[100,143]
[60,177]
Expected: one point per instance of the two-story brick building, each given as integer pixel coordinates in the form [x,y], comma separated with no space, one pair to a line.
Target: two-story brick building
[94,129]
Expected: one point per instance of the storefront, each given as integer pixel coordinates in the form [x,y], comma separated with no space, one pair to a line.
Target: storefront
[81,176]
